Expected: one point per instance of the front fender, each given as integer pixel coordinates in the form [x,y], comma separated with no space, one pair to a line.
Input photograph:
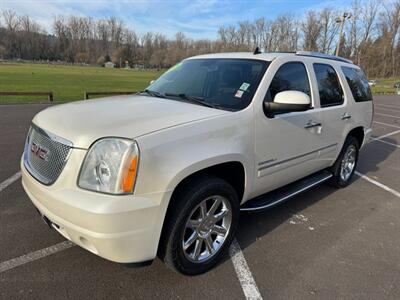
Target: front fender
[204,164]
[170,155]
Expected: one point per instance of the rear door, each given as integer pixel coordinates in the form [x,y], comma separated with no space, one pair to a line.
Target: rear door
[334,114]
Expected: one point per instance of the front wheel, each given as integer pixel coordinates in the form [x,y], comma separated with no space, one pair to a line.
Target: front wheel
[201,225]
[346,163]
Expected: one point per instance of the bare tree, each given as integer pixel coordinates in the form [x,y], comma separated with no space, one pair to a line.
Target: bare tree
[11,20]
[329,29]
[371,38]
[355,30]
[287,33]
[368,17]
[390,26]
[311,28]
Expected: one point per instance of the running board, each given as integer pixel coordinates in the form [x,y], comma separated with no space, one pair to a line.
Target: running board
[286,192]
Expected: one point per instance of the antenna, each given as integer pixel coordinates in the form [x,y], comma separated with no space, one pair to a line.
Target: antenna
[257,51]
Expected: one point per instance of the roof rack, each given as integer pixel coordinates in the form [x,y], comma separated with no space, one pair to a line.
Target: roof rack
[323,55]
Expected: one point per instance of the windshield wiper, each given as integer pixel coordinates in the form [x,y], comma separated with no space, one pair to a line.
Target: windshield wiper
[194,99]
[152,93]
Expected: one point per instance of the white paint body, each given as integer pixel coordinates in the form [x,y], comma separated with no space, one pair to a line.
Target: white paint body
[177,139]
[292,97]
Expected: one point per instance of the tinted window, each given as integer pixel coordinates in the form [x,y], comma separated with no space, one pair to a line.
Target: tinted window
[227,83]
[358,84]
[330,91]
[290,77]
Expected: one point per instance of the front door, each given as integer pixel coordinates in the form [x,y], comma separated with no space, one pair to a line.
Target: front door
[286,145]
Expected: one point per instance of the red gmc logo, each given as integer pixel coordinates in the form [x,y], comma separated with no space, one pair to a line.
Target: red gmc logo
[39,151]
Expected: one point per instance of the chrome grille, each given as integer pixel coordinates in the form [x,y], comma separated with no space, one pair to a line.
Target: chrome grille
[45,155]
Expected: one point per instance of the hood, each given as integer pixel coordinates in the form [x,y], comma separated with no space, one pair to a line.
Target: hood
[130,116]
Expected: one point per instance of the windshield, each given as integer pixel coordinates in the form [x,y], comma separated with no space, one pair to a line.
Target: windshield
[220,83]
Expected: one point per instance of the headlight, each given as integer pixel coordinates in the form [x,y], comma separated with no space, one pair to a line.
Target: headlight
[110,166]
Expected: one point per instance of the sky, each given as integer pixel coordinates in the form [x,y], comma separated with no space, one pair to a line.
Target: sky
[196,18]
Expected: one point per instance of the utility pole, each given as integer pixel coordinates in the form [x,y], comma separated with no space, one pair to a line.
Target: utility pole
[341,20]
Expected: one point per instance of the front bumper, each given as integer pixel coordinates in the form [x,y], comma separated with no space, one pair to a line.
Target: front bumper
[123,228]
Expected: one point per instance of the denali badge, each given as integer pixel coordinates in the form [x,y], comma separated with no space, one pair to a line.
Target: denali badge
[39,151]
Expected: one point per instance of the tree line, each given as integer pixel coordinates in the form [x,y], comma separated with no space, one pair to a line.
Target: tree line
[371,38]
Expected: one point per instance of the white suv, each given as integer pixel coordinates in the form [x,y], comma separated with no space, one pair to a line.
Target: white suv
[168,170]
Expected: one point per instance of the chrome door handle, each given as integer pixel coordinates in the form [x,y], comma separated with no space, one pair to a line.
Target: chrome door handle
[312,124]
[345,116]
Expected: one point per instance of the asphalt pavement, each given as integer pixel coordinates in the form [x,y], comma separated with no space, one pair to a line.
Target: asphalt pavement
[323,244]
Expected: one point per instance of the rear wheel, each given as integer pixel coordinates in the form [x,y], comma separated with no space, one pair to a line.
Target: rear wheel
[345,165]
[201,225]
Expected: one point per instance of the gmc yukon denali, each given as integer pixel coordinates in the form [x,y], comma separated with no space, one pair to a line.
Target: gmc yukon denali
[166,172]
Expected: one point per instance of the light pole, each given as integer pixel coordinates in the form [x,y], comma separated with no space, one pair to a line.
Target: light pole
[341,20]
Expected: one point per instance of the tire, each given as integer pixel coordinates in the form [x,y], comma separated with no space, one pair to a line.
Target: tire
[342,178]
[191,203]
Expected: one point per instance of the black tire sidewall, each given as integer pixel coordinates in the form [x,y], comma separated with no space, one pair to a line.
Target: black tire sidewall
[337,180]
[189,200]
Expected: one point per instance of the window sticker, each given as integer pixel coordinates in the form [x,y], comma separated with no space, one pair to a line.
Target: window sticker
[239,94]
[244,86]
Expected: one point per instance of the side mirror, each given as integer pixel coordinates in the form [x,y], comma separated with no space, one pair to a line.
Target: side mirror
[288,101]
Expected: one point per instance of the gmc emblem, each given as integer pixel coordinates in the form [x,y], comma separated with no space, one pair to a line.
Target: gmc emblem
[39,151]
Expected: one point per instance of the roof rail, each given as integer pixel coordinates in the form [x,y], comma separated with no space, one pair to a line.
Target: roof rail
[323,55]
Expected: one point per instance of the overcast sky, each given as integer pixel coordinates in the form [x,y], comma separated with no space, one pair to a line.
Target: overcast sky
[196,18]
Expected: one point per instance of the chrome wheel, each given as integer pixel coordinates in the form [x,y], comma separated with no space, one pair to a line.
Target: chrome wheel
[348,163]
[207,229]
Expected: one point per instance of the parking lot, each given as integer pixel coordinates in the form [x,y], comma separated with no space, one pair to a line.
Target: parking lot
[324,244]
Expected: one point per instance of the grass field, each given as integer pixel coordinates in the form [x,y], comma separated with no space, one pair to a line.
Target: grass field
[385,85]
[68,83]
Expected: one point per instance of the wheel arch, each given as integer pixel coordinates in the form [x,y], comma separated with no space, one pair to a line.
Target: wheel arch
[232,171]
[358,133]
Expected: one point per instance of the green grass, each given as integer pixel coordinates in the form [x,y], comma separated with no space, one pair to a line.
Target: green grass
[68,83]
[384,85]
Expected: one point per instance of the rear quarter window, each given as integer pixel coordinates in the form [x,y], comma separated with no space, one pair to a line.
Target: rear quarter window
[358,84]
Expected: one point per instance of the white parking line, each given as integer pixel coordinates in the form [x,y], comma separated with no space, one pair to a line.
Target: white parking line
[243,272]
[380,138]
[382,186]
[24,259]
[386,115]
[386,124]
[387,135]
[388,109]
[10,180]
[387,105]
[385,142]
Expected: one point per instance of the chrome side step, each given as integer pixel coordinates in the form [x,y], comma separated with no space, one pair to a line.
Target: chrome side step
[284,193]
